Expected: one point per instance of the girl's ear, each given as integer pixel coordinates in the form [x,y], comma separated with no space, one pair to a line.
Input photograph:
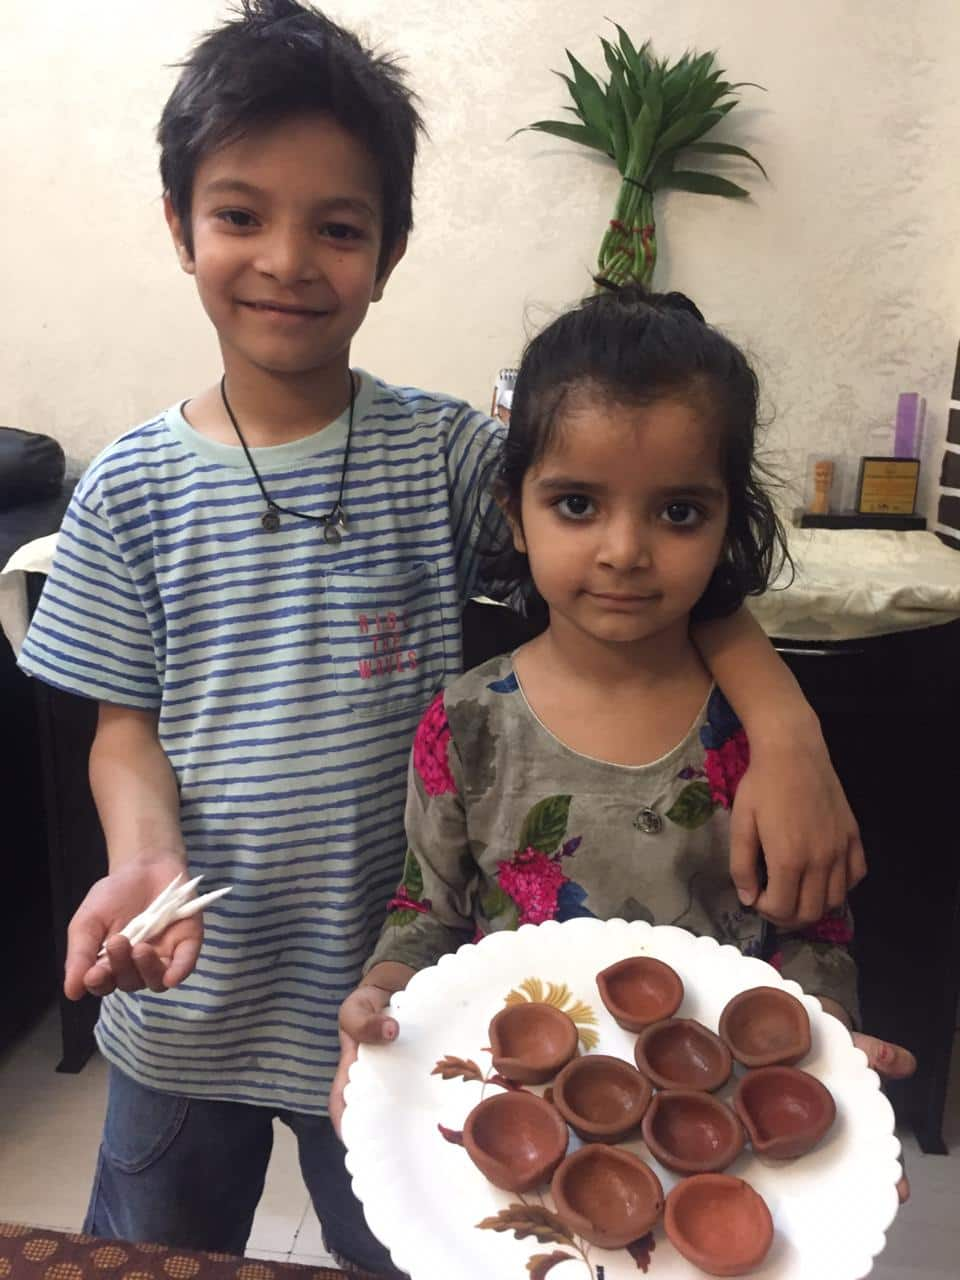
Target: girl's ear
[516,528]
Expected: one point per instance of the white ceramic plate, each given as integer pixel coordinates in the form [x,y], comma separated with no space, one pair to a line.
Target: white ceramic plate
[423,1196]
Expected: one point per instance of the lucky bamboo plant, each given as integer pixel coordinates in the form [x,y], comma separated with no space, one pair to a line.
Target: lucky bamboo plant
[645,118]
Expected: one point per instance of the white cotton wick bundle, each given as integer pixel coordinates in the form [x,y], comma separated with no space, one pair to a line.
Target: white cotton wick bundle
[174,903]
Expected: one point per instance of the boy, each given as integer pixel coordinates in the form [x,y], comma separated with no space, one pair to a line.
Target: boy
[262,588]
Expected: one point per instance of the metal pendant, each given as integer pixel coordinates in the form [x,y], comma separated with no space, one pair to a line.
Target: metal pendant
[649,822]
[332,535]
[271,519]
[339,517]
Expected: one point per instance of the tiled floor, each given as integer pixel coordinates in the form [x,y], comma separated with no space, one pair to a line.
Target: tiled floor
[49,1132]
[50,1126]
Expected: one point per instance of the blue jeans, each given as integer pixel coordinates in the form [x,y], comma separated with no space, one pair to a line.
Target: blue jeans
[188,1172]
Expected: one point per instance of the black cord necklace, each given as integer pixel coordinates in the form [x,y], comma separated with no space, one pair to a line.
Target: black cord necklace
[334,523]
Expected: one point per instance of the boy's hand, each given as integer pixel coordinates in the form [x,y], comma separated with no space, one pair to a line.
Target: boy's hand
[107,908]
[790,804]
[362,1021]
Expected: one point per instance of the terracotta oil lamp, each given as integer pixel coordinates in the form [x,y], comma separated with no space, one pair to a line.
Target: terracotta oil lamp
[719,1223]
[764,1027]
[532,1041]
[603,1099]
[692,1132]
[516,1140]
[607,1195]
[640,990]
[784,1111]
[683,1054]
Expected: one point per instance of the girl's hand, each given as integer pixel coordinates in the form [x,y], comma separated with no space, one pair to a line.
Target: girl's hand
[790,805]
[362,1021]
[889,1061]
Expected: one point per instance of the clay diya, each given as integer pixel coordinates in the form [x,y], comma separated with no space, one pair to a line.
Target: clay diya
[530,1042]
[785,1111]
[765,1026]
[607,1195]
[516,1140]
[602,1098]
[683,1054]
[639,991]
[719,1223]
[692,1132]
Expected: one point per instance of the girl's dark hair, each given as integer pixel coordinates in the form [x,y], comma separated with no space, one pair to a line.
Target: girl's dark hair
[634,347]
[279,59]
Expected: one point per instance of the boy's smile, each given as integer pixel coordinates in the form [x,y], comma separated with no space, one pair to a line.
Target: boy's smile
[623,520]
[287,230]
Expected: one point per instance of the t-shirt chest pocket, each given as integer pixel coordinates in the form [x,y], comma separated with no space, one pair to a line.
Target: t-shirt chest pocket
[386,637]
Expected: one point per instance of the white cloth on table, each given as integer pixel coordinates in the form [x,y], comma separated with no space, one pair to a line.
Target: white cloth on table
[855,583]
[32,557]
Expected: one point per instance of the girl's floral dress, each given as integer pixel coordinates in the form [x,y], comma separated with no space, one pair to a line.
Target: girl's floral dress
[507,826]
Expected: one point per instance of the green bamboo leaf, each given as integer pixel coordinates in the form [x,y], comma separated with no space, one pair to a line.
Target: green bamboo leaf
[614,58]
[638,60]
[631,100]
[686,129]
[579,133]
[653,96]
[642,138]
[661,170]
[574,92]
[705,184]
[619,131]
[626,44]
[676,86]
[703,97]
[703,65]
[591,99]
[726,149]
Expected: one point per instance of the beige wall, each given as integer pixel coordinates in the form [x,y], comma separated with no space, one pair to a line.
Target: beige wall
[842,275]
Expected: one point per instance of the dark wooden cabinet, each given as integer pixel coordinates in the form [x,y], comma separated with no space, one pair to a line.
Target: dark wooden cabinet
[890,708]
[75,846]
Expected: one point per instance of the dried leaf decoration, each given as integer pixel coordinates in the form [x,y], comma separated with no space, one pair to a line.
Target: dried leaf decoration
[454,1136]
[641,1250]
[530,1220]
[558,995]
[541,1263]
[450,1068]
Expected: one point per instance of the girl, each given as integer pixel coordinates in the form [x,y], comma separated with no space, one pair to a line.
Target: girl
[592,771]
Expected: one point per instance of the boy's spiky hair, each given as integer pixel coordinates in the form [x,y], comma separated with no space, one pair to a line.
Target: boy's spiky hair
[274,60]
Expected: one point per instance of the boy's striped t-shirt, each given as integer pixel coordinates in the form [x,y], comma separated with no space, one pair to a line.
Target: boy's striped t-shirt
[288,676]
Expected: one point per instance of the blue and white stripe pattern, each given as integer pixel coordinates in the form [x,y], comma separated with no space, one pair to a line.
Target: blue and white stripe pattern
[289,677]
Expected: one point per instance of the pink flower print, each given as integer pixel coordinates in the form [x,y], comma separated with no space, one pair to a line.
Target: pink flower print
[725,766]
[401,901]
[430,750]
[834,929]
[534,881]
